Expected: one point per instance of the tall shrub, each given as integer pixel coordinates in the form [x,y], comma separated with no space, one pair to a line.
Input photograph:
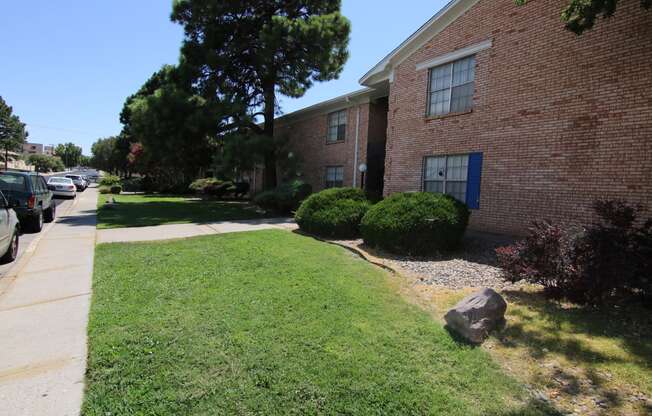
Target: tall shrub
[418,223]
[284,199]
[333,212]
[109,180]
[611,258]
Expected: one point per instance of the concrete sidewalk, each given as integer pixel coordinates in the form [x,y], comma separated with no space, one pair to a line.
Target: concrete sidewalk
[44,307]
[172,231]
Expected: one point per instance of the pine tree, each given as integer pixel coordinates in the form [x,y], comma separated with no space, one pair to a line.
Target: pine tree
[252,50]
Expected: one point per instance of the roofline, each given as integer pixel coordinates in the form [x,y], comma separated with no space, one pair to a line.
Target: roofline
[446,15]
[361,96]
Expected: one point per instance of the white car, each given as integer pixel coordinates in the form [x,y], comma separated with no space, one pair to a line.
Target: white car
[9,232]
[62,187]
[79,182]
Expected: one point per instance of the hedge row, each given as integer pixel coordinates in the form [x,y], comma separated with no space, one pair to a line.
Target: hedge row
[409,223]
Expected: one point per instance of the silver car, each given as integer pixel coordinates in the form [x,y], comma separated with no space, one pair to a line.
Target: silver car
[9,232]
[79,182]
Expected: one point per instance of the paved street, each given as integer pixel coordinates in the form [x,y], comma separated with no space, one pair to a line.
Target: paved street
[27,239]
[44,301]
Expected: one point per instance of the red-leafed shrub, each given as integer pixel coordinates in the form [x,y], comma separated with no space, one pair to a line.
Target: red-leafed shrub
[608,259]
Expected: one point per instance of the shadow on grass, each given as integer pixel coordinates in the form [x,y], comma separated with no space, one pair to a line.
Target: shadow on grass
[630,325]
[557,328]
[533,407]
[138,214]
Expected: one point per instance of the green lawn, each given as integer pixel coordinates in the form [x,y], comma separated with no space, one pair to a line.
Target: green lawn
[272,323]
[142,210]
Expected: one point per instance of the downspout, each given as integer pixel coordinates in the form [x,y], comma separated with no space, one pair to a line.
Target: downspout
[355,152]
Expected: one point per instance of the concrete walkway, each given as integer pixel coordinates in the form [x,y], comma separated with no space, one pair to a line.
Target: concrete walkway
[44,303]
[172,231]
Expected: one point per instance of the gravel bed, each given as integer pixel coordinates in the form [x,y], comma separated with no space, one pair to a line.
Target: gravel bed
[474,266]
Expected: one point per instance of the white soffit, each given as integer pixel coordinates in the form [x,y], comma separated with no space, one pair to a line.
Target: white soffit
[455,55]
[362,96]
[444,17]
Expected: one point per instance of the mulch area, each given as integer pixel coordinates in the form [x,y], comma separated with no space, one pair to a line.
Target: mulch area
[473,266]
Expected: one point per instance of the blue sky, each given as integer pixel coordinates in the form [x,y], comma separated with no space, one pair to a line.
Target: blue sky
[67,66]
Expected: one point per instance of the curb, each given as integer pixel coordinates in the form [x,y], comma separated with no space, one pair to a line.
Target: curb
[10,277]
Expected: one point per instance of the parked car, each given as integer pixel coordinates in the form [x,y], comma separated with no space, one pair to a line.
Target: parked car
[79,182]
[62,187]
[28,194]
[9,231]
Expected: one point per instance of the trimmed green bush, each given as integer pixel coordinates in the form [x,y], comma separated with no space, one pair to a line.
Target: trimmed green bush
[212,187]
[116,189]
[285,199]
[417,223]
[132,184]
[334,212]
[104,189]
[109,180]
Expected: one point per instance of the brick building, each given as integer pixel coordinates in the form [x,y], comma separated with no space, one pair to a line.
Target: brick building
[502,107]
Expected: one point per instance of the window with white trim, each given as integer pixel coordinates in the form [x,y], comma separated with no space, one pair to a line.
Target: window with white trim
[336,126]
[451,87]
[447,175]
[334,176]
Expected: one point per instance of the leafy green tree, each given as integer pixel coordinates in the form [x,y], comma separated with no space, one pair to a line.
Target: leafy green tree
[173,126]
[581,15]
[69,153]
[45,163]
[106,155]
[85,160]
[238,153]
[12,131]
[253,50]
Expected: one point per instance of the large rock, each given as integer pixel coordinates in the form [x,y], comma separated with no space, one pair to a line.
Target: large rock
[476,315]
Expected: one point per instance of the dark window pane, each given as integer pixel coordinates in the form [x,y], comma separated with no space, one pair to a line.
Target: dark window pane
[341,132]
[434,186]
[457,190]
[462,98]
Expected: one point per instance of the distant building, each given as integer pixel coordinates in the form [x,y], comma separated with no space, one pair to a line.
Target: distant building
[33,148]
[38,149]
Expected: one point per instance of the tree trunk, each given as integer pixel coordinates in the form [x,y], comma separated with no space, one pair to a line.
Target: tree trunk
[6,158]
[269,180]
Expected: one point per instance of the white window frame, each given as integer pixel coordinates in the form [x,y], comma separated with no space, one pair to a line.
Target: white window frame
[333,184]
[450,88]
[445,181]
[342,120]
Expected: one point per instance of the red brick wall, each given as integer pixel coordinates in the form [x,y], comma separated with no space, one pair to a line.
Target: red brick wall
[561,120]
[307,138]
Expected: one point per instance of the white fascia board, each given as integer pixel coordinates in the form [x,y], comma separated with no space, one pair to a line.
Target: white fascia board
[444,17]
[455,55]
[342,102]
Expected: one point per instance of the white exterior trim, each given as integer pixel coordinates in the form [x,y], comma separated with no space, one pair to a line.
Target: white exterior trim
[444,17]
[455,55]
[355,151]
[340,103]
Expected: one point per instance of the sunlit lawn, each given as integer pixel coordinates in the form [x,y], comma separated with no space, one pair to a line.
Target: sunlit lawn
[578,356]
[273,323]
[143,210]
